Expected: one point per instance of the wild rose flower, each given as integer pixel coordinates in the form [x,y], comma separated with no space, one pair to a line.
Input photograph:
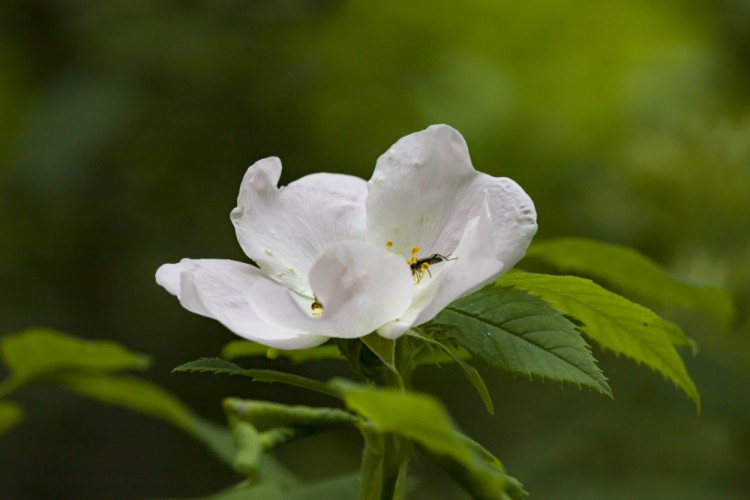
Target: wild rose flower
[341,257]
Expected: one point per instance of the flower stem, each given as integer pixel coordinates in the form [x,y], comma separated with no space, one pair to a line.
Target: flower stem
[384,466]
[385,363]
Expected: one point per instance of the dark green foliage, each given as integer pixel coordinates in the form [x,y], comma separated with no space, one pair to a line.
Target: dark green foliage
[513,331]
[613,322]
[633,274]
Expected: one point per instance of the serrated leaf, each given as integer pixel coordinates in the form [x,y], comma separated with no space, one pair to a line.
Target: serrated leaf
[222,366]
[210,365]
[612,321]
[245,348]
[11,414]
[421,418]
[37,352]
[633,274]
[513,331]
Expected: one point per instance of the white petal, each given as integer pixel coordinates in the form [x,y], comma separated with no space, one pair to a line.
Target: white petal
[424,191]
[415,190]
[219,289]
[513,216]
[475,265]
[360,286]
[284,230]
[423,295]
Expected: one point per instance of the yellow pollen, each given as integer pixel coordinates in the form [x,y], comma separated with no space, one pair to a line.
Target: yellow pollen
[419,273]
[317,308]
[389,243]
[414,252]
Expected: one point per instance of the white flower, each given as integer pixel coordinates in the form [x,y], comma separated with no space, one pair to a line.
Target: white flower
[341,257]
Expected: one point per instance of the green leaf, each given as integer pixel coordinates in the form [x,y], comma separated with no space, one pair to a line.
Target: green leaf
[265,415]
[245,348]
[85,367]
[259,427]
[383,348]
[471,373]
[417,416]
[145,397]
[249,448]
[221,366]
[513,331]
[385,351]
[513,488]
[351,350]
[38,352]
[630,272]
[613,322]
[216,437]
[421,418]
[338,488]
[343,488]
[438,358]
[131,393]
[11,415]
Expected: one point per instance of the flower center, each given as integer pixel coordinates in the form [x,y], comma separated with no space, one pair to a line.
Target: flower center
[420,266]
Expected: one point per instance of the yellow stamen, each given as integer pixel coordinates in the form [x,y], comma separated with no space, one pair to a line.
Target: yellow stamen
[389,243]
[414,252]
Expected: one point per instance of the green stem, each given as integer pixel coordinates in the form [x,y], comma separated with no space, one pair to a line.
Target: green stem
[261,375]
[384,466]
[385,363]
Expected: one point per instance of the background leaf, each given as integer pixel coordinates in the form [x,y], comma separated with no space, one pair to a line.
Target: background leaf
[632,273]
[339,488]
[514,331]
[613,322]
[131,393]
[37,352]
[11,415]
[144,397]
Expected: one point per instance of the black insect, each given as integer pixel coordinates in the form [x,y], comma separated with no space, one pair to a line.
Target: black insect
[419,266]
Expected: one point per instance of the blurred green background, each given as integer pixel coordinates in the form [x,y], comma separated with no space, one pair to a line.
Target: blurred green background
[126,126]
